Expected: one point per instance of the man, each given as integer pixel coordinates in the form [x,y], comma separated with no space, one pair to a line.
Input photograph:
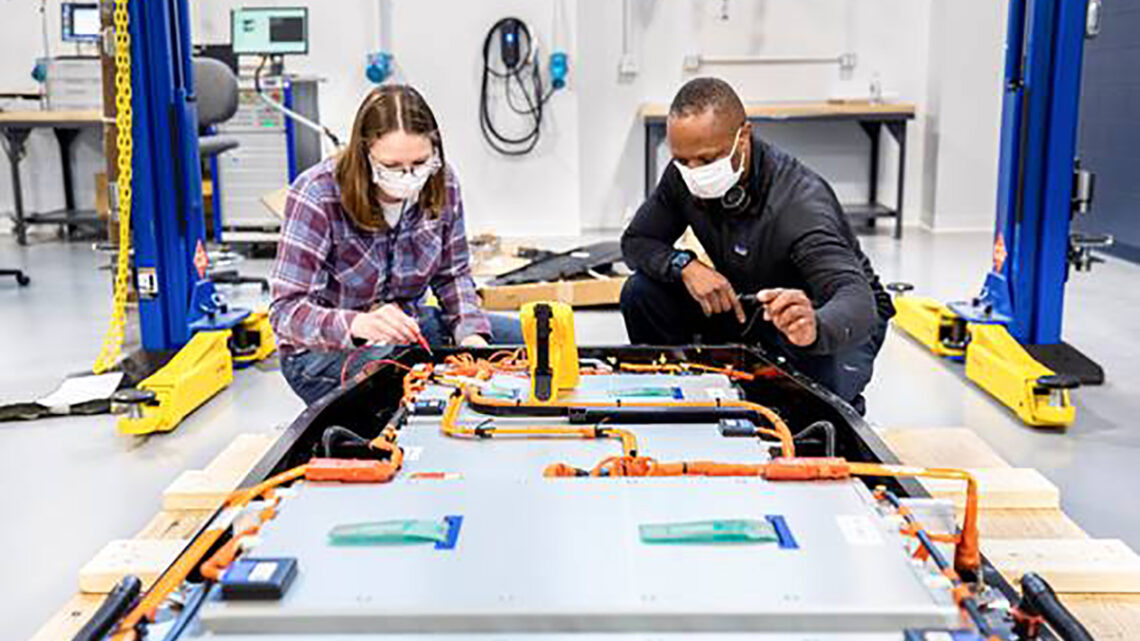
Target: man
[773,229]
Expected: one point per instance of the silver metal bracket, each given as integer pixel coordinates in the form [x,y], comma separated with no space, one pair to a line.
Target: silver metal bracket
[1084,187]
[1081,248]
[1093,18]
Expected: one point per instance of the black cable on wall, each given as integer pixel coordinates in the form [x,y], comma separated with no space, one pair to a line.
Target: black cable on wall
[521,71]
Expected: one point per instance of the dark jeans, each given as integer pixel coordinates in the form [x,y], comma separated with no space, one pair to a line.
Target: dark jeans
[659,313]
[314,374]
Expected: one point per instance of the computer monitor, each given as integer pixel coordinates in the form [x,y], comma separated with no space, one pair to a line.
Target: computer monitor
[80,22]
[269,31]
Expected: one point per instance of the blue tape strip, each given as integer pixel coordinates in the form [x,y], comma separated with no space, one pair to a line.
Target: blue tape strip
[787,540]
[454,522]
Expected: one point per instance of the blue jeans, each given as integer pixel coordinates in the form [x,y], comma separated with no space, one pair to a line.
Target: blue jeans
[314,374]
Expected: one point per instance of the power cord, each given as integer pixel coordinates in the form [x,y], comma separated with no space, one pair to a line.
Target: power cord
[289,113]
[521,68]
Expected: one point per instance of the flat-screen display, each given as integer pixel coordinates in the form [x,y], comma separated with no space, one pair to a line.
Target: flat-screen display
[269,30]
[80,22]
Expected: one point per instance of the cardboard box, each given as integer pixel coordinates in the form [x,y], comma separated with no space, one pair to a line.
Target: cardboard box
[274,201]
[589,292]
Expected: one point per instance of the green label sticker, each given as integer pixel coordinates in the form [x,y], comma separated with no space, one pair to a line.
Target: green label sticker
[714,531]
[399,532]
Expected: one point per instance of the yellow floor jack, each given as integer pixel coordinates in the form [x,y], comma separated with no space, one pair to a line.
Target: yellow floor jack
[201,369]
[995,361]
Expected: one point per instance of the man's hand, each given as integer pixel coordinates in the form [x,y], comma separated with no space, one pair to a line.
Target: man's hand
[387,325]
[474,340]
[711,290]
[791,311]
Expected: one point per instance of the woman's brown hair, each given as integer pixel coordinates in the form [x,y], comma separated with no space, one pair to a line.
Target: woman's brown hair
[384,110]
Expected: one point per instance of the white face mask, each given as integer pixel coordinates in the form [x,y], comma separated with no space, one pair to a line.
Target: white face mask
[405,184]
[714,179]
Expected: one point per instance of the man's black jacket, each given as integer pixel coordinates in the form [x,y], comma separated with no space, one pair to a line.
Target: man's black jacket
[791,233]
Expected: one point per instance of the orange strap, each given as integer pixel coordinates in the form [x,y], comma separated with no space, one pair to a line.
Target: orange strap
[213,568]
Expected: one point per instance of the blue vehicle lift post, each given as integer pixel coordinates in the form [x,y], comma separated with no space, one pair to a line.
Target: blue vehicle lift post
[179,308]
[1010,334]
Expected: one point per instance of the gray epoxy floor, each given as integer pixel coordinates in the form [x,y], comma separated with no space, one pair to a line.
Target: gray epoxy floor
[69,485]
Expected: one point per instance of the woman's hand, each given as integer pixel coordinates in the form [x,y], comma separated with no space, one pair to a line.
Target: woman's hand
[387,325]
[474,340]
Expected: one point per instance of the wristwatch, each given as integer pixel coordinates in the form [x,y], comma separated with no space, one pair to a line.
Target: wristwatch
[679,261]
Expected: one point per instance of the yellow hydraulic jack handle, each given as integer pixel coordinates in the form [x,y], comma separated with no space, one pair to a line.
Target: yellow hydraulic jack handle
[548,330]
[200,370]
[1002,367]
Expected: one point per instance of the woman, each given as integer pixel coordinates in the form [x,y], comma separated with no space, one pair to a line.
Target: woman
[366,233]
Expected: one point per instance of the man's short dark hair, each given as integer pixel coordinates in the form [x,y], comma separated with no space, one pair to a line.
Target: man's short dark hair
[701,94]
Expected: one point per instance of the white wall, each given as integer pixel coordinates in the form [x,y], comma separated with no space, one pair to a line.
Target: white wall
[963,112]
[888,37]
[438,45]
[587,171]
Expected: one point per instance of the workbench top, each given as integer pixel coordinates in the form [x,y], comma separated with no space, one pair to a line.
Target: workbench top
[50,118]
[803,110]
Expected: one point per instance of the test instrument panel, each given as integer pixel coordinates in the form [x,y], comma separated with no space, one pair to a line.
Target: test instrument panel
[273,150]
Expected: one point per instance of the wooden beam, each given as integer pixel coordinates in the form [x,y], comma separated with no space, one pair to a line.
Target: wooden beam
[196,490]
[145,558]
[1036,523]
[1000,488]
[941,447]
[239,457]
[1113,617]
[70,618]
[1069,565]
[174,524]
[207,489]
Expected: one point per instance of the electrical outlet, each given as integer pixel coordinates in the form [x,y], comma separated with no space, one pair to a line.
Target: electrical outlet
[692,62]
[627,66]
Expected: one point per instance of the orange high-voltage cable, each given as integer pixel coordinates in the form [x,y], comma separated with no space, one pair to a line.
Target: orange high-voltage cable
[967,552]
[780,431]
[452,429]
[177,573]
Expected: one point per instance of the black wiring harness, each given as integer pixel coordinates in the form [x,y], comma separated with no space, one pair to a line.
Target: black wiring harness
[525,73]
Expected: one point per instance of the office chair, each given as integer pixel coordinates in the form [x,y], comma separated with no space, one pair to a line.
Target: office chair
[217,89]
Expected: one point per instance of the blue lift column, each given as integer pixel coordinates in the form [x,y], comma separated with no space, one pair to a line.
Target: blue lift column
[1010,334]
[1025,291]
[175,296]
[185,323]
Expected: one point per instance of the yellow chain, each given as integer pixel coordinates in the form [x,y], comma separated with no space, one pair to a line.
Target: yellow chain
[113,340]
